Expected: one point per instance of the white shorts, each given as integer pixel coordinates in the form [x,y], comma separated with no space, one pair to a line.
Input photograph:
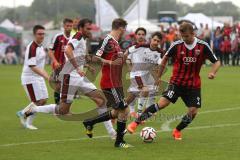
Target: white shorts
[36,90]
[71,85]
[138,82]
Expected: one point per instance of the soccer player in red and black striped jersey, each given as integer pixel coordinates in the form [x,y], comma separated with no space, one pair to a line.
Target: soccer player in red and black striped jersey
[57,49]
[188,54]
[111,56]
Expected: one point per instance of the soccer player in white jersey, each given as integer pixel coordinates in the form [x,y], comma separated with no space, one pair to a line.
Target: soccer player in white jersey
[33,75]
[143,58]
[73,78]
[140,35]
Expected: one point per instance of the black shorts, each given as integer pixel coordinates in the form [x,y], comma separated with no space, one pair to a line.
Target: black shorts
[115,98]
[191,97]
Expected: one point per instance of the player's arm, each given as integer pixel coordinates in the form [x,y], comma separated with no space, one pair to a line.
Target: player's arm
[52,51]
[39,71]
[32,63]
[216,63]
[214,69]
[53,59]
[72,59]
[162,68]
[99,56]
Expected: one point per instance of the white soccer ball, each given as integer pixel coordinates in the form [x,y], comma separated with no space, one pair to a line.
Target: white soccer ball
[148,134]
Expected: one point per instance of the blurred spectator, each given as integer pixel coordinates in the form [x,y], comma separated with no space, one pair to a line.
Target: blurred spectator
[227,30]
[217,40]
[226,49]
[10,56]
[236,50]
[3,47]
[206,34]
[200,31]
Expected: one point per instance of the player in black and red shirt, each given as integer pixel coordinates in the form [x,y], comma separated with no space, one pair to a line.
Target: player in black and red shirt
[57,49]
[111,82]
[188,54]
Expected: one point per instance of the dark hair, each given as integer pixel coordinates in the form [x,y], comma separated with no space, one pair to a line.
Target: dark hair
[119,22]
[83,22]
[158,34]
[141,29]
[186,27]
[37,27]
[67,20]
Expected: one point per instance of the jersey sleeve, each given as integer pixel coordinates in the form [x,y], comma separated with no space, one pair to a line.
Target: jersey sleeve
[131,51]
[74,42]
[106,47]
[32,60]
[172,50]
[53,44]
[209,54]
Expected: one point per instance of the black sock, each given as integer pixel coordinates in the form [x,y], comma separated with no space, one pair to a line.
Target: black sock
[186,120]
[100,118]
[56,97]
[121,125]
[147,113]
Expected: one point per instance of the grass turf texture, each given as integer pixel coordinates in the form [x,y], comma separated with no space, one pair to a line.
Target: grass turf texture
[56,139]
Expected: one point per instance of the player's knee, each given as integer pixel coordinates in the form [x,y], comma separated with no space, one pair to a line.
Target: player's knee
[163,102]
[193,111]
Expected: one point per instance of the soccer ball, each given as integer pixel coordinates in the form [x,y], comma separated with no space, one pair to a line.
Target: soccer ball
[148,134]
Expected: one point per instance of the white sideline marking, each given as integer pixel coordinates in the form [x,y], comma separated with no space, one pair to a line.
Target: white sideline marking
[166,126]
[106,136]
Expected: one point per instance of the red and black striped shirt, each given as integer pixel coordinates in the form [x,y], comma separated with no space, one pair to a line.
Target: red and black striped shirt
[111,74]
[58,46]
[187,62]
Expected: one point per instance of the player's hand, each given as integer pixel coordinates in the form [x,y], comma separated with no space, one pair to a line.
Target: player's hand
[211,75]
[56,65]
[80,72]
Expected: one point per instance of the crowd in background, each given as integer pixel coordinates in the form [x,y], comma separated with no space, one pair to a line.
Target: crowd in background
[224,41]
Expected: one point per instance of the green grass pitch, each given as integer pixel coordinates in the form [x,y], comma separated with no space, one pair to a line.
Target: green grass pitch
[214,134]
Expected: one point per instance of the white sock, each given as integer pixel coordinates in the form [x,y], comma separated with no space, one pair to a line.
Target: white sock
[141,103]
[44,109]
[151,101]
[132,106]
[108,124]
[26,108]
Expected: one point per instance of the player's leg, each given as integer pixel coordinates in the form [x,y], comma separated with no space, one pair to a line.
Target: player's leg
[98,97]
[121,126]
[133,114]
[130,100]
[141,103]
[186,120]
[170,95]
[192,99]
[37,93]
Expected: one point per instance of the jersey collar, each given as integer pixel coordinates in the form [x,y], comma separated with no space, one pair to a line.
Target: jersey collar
[191,46]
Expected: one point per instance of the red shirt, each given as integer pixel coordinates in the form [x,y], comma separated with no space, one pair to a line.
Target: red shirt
[58,46]
[225,46]
[187,62]
[111,74]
